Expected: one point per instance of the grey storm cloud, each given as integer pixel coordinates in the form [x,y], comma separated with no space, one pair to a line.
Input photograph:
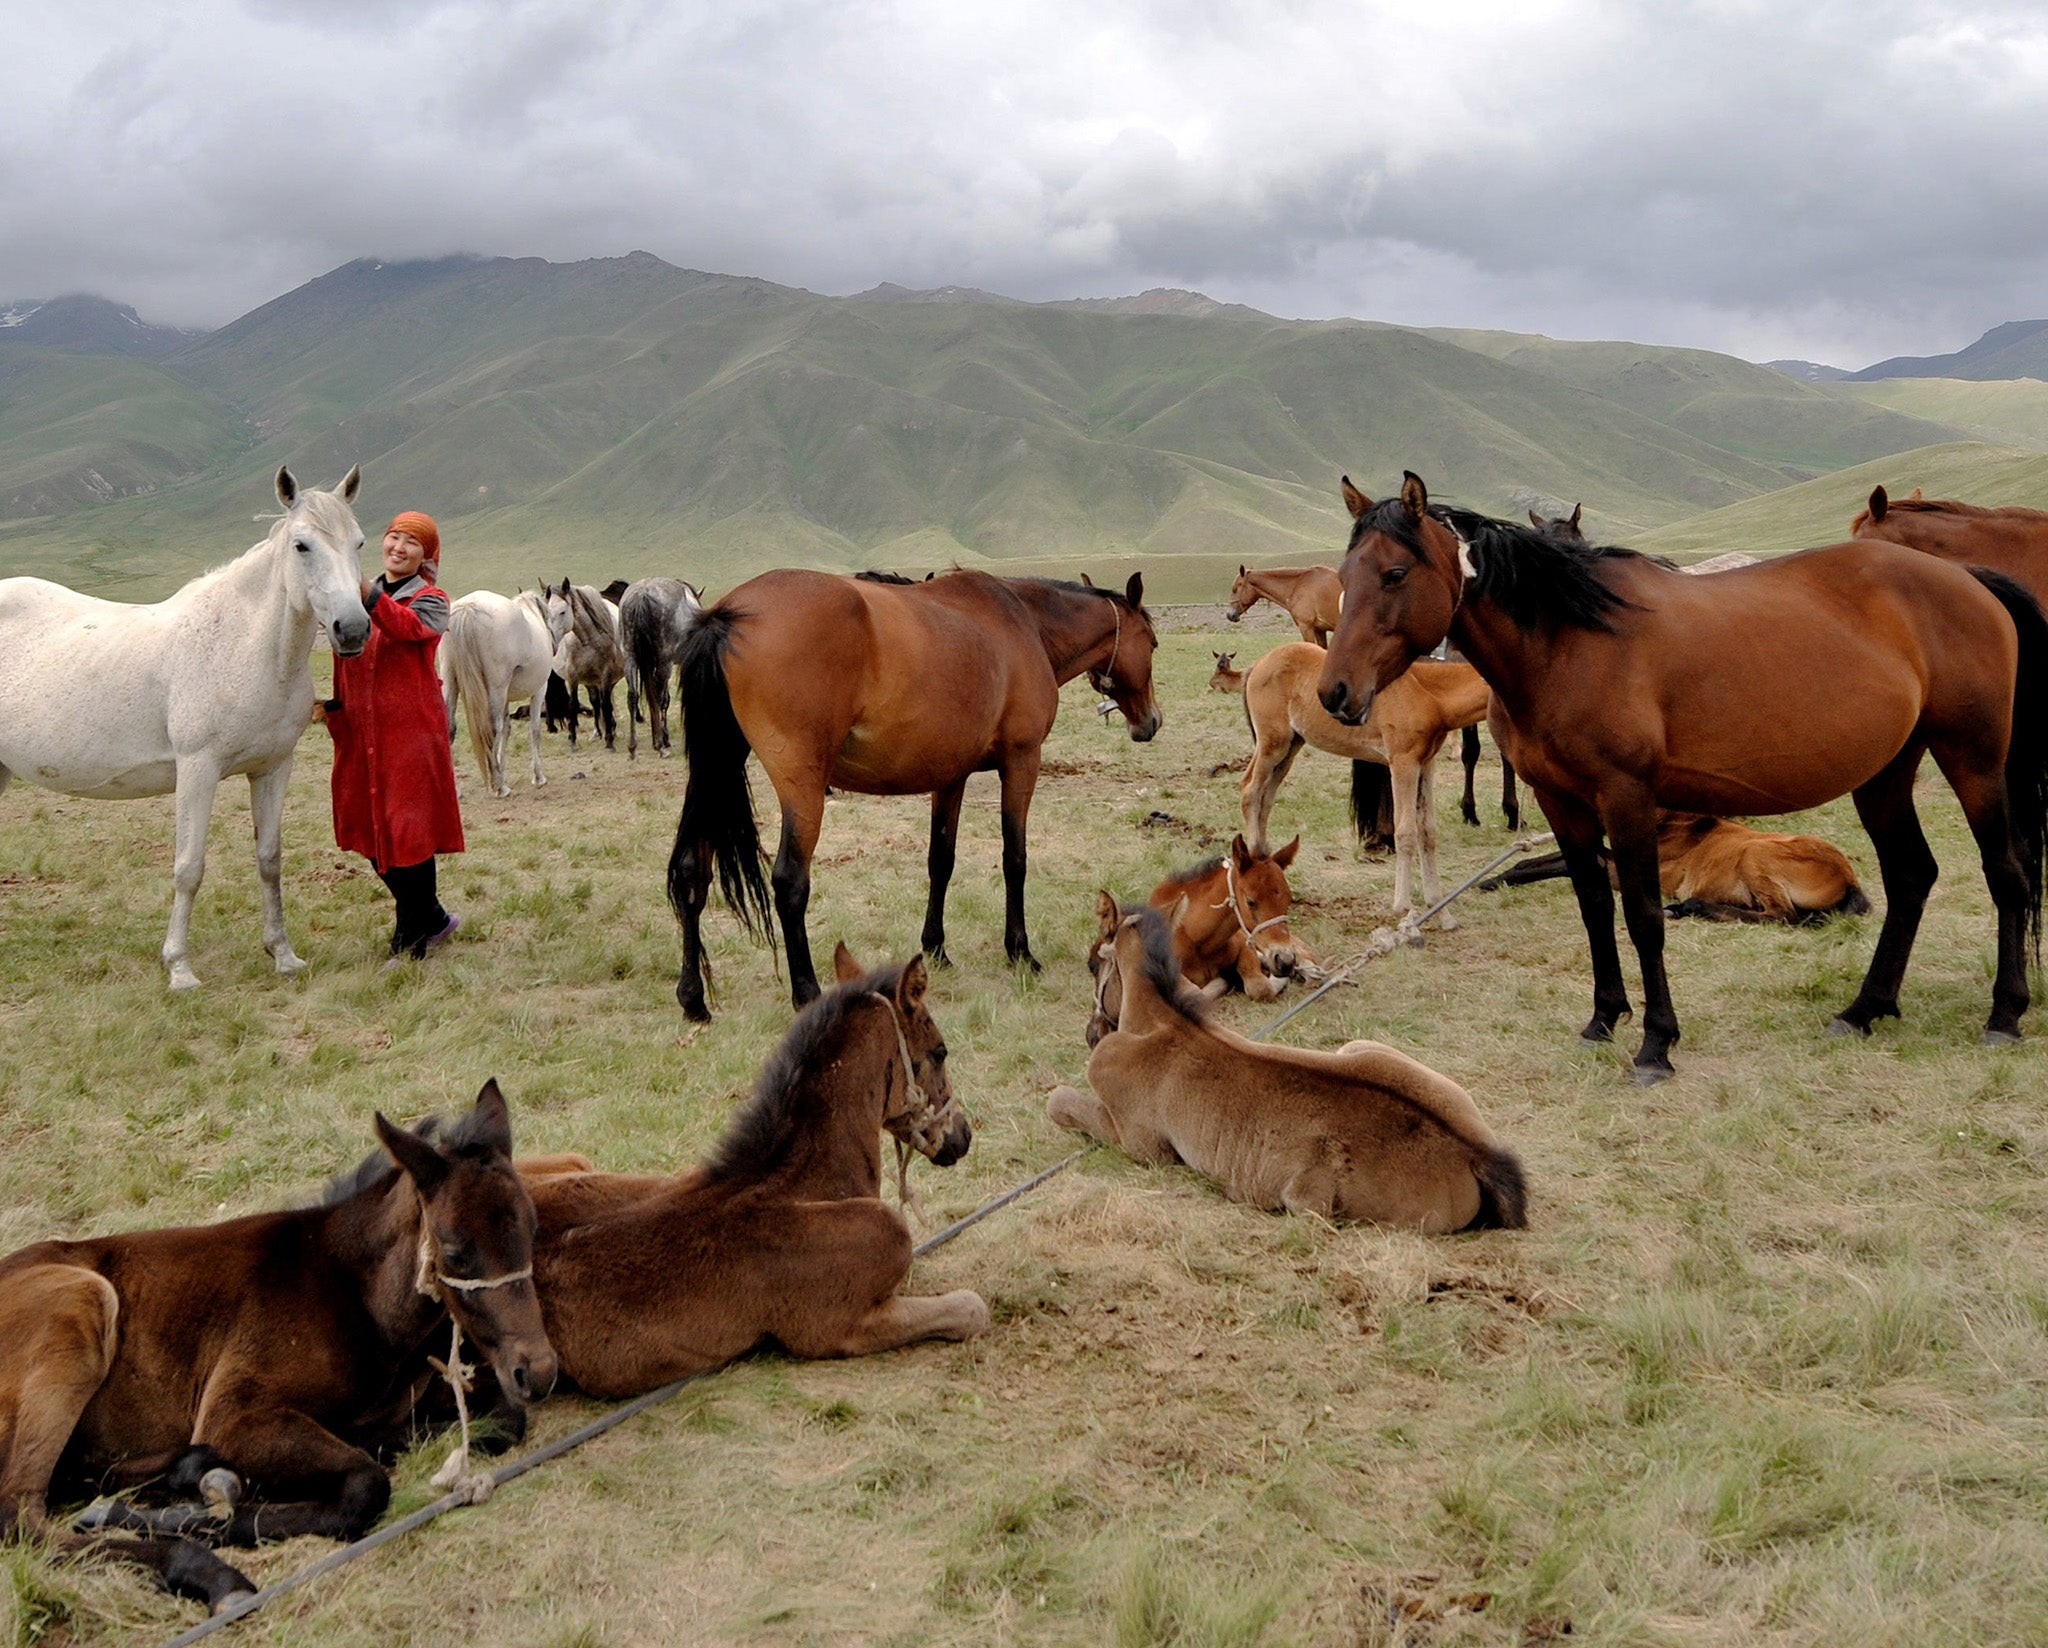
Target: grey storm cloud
[1838,180]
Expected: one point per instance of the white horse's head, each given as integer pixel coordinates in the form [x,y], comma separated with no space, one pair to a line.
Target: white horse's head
[323,557]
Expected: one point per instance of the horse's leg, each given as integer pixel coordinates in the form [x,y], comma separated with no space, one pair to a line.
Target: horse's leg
[1020,779]
[1468,808]
[1906,865]
[1508,803]
[1083,1112]
[1426,826]
[1631,826]
[1982,792]
[1578,838]
[60,1324]
[899,1320]
[1407,779]
[939,866]
[533,721]
[1309,632]
[1260,787]
[501,731]
[266,802]
[803,811]
[344,1490]
[198,778]
[633,712]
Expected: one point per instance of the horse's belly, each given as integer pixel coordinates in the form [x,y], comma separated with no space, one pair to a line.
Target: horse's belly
[123,784]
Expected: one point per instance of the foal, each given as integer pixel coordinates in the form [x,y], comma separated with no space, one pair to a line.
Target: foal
[1362,1133]
[1231,929]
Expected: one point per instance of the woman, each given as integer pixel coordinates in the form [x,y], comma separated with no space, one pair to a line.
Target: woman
[394,780]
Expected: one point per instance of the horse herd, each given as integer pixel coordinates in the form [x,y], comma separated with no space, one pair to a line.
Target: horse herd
[248,1377]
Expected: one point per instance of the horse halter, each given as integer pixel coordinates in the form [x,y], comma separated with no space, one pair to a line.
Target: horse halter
[1099,677]
[429,1280]
[923,1129]
[1230,900]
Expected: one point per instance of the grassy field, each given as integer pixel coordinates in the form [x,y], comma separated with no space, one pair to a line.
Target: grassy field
[1767,1367]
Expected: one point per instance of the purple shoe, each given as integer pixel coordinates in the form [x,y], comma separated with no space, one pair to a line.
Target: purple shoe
[436,940]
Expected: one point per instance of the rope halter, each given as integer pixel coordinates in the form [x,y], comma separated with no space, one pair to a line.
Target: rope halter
[922,1126]
[1230,901]
[430,1281]
[1099,677]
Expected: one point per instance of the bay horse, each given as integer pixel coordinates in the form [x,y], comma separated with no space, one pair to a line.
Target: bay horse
[1362,1133]
[588,653]
[1229,920]
[497,652]
[2007,539]
[883,688]
[781,1234]
[214,681]
[1310,595]
[244,1360]
[1723,871]
[1622,686]
[1404,733]
[654,616]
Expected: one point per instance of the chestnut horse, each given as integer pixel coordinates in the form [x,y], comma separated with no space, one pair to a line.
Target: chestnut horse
[1233,925]
[1361,1133]
[1311,596]
[887,688]
[782,1234]
[1622,686]
[2010,540]
[248,1351]
[1226,679]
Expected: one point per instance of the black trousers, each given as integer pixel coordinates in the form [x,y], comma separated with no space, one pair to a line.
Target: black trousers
[420,915]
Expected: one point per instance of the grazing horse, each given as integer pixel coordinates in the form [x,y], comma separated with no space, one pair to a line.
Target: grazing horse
[1361,1133]
[2010,540]
[238,1358]
[1229,920]
[1311,596]
[1622,687]
[497,651]
[588,653]
[883,688]
[1226,679]
[781,1234]
[212,682]
[1723,871]
[1407,727]
[654,616]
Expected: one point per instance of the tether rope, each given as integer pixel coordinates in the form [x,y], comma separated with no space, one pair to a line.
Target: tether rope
[514,1468]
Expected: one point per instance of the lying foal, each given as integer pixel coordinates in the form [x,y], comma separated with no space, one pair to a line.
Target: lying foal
[1229,921]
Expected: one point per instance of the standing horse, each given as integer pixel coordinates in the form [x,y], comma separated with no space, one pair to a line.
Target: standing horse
[2010,539]
[497,651]
[241,1355]
[1311,595]
[588,653]
[882,688]
[654,616]
[212,682]
[782,1234]
[1622,686]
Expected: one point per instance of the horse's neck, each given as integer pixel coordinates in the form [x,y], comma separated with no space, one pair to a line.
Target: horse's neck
[840,1154]
[1073,628]
[375,1236]
[1277,584]
[264,626]
[1501,651]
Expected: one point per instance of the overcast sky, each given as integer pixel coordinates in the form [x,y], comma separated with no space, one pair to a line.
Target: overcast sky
[1833,181]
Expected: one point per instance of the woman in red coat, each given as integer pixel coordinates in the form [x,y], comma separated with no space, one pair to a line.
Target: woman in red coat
[394,779]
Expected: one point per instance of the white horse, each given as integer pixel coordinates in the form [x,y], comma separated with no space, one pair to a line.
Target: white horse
[498,652]
[211,682]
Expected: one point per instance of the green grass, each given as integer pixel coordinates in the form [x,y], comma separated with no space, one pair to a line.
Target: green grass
[1768,1366]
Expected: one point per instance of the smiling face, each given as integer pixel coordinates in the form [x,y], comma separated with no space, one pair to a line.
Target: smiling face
[403,555]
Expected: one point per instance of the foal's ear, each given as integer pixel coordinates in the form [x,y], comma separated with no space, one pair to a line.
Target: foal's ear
[1354,500]
[844,968]
[1285,856]
[287,488]
[351,483]
[1880,501]
[1240,852]
[1575,515]
[415,1156]
[1087,582]
[493,1118]
[1414,495]
[1134,591]
[1535,520]
[912,985]
[1914,497]
[1107,915]
[1178,914]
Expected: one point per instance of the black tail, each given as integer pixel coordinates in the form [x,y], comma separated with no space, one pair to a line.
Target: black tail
[1503,1196]
[718,802]
[2026,758]
[1372,804]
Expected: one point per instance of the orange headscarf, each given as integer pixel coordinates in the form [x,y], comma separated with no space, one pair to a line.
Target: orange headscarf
[419,526]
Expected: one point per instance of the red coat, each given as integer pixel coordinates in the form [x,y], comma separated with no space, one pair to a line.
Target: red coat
[394,778]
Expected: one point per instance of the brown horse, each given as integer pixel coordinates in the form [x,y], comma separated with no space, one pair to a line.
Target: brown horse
[1622,686]
[2010,540]
[887,688]
[1406,729]
[1722,871]
[1226,679]
[1362,1133]
[1233,927]
[781,1235]
[244,1353]
[1311,596]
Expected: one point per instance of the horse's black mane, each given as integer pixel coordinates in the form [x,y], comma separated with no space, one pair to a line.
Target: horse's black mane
[1535,577]
[1162,965]
[875,575]
[761,1132]
[458,1138]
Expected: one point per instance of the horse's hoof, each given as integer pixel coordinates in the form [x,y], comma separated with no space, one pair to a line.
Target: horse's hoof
[1999,1038]
[222,1491]
[1649,1075]
[288,966]
[1846,1027]
[1447,923]
[183,978]
[233,1600]
[96,1515]
[1596,1035]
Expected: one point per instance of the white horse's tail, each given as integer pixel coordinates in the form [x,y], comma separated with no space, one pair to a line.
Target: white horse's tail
[464,651]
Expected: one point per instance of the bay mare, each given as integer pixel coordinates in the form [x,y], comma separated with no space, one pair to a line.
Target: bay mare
[2007,539]
[1622,686]
[654,616]
[498,652]
[781,1234]
[1361,1133]
[246,1361]
[1311,596]
[883,687]
[212,682]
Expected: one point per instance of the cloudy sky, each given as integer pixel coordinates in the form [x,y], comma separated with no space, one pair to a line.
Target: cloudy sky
[1837,181]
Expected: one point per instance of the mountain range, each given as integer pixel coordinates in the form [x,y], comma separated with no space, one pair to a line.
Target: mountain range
[621,416]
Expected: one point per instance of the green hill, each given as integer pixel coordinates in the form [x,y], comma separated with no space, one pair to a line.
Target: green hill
[2004,411]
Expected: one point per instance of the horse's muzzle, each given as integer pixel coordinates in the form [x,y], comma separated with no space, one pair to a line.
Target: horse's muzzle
[1232,614]
[348,640]
[1143,732]
[1348,707]
[534,1374]
[959,1137]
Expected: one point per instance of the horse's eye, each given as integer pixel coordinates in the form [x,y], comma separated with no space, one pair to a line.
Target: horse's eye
[303,547]
[1394,577]
[939,1054]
